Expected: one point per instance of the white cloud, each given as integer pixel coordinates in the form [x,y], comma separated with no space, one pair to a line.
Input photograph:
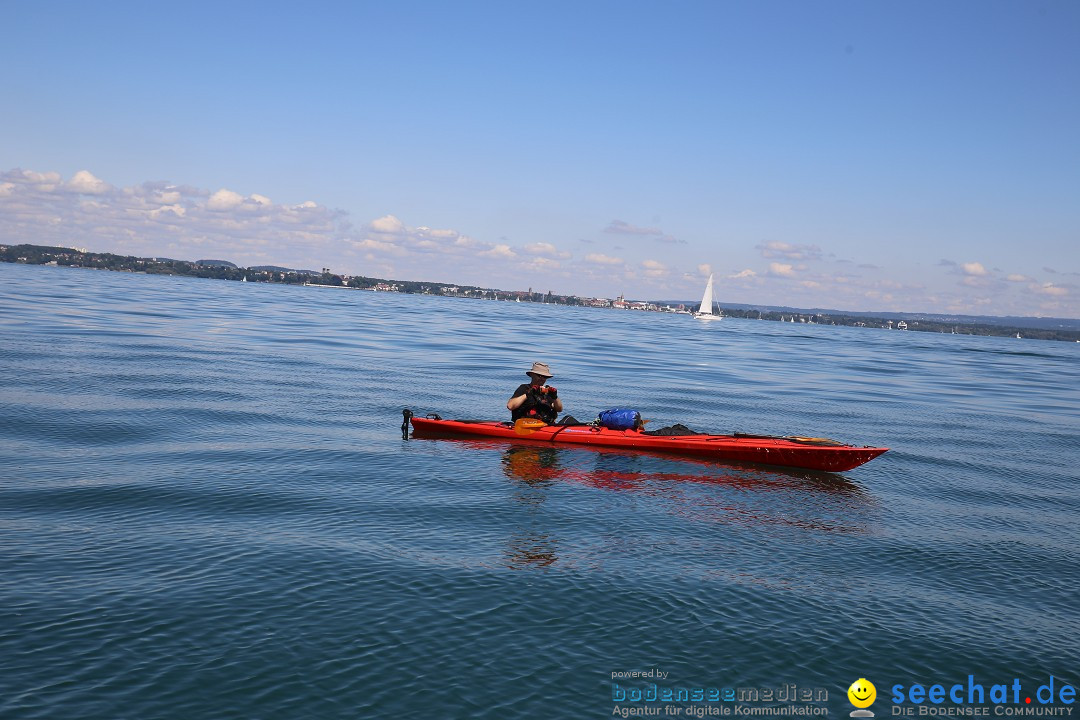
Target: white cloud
[499,251]
[788,251]
[39,182]
[601,259]
[973,269]
[224,200]
[1048,289]
[544,249]
[387,224]
[377,246]
[781,270]
[84,182]
[654,269]
[159,218]
[36,178]
[174,211]
[442,234]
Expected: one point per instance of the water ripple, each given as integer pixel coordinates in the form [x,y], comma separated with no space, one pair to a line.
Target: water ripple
[207,510]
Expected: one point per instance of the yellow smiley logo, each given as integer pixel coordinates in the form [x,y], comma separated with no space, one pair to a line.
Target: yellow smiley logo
[862,693]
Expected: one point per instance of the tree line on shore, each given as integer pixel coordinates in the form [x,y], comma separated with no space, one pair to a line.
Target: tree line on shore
[224,270]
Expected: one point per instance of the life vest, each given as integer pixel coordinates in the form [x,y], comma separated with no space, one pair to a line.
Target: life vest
[536,405]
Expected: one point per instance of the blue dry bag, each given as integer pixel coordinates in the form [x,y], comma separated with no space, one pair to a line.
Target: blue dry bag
[620,419]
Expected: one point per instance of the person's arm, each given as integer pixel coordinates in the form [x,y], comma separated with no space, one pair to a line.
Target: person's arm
[557,405]
[515,402]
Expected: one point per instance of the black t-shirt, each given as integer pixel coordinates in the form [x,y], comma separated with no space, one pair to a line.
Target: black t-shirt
[534,406]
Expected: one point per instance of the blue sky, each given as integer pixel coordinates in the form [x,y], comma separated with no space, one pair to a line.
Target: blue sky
[915,156]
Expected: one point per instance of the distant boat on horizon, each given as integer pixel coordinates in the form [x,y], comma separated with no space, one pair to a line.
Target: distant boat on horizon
[705,310]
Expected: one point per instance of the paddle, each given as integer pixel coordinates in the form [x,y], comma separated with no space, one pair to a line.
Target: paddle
[527,426]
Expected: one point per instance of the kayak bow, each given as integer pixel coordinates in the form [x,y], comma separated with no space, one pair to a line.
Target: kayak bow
[806,453]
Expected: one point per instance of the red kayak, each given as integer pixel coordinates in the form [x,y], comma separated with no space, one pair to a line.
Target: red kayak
[797,452]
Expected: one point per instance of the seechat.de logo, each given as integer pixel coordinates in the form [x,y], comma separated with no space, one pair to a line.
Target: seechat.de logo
[862,694]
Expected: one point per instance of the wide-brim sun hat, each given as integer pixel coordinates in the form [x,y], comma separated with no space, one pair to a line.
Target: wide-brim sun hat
[541,369]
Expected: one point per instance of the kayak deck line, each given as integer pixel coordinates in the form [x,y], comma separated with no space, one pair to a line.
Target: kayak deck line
[797,452]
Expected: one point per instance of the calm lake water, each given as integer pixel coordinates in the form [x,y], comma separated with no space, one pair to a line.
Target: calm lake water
[207,509]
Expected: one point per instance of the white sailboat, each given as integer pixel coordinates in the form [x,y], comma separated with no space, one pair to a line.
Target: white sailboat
[705,311]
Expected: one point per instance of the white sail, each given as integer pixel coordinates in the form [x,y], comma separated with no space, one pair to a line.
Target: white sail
[705,311]
[706,299]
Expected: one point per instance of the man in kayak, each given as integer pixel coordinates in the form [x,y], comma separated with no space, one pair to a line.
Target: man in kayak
[536,399]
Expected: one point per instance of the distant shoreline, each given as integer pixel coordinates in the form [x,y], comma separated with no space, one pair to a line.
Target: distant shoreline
[223,270]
